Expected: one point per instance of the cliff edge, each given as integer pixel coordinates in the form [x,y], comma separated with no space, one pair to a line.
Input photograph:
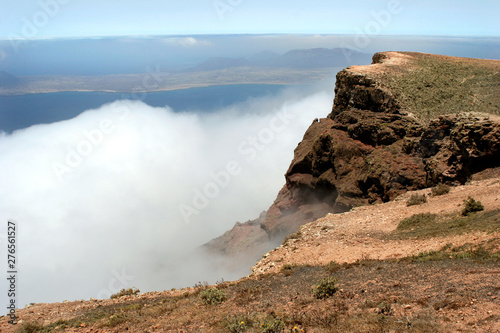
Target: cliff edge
[407,122]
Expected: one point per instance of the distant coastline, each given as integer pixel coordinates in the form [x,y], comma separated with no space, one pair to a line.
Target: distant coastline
[22,111]
[158,82]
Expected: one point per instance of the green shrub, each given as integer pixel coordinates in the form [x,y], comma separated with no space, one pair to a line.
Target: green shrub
[416,199]
[273,325]
[325,288]
[29,328]
[440,189]
[212,296]
[238,324]
[471,206]
[125,292]
[417,221]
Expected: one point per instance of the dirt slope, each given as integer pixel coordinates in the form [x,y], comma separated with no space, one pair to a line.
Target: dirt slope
[363,233]
[453,290]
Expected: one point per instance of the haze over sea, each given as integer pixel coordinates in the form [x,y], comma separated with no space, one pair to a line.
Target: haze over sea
[22,111]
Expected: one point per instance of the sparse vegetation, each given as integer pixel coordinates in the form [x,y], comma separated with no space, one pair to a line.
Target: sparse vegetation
[125,292]
[417,221]
[462,252]
[212,296]
[115,320]
[416,199]
[273,308]
[238,324]
[255,322]
[431,225]
[440,189]
[333,266]
[325,288]
[472,206]
[287,269]
[200,285]
[273,324]
[374,295]
[436,87]
[296,235]
[30,328]
[385,308]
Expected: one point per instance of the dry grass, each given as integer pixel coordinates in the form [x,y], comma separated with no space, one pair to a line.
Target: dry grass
[416,199]
[431,225]
[440,189]
[370,295]
[437,86]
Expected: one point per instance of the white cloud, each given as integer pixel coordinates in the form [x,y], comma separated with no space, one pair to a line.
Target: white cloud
[100,193]
[188,41]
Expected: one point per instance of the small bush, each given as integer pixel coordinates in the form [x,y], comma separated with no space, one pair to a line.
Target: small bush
[273,325]
[385,309]
[333,266]
[115,320]
[288,269]
[125,292]
[296,235]
[211,296]
[471,206]
[416,199]
[238,324]
[325,288]
[416,221]
[200,285]
[440,189]
[30,328]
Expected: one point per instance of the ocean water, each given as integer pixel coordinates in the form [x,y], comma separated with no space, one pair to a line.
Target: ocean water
[17,112]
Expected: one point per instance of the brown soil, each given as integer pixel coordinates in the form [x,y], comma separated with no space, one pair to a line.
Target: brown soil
[359,234]
[380,288]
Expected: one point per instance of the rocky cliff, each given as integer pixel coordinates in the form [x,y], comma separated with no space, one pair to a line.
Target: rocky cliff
[406,122]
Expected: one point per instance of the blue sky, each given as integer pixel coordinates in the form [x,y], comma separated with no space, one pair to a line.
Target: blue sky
[82,18]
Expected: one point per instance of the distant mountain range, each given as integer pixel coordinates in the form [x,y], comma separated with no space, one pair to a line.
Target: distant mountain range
[219,63]
[320,57]
[294,67]
[297,59]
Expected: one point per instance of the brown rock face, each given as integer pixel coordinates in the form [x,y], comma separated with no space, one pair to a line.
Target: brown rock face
[354,160]
[243,240]
[376,144]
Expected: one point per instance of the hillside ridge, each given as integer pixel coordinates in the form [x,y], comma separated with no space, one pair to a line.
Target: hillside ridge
[446,281]
[390,130]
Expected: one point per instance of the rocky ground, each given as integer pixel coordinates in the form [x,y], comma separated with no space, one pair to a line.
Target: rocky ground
[369,232]
[437,278]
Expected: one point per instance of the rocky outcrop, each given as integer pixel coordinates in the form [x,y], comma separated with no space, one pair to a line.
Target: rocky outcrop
[365,157]
[243,240]
[390,131]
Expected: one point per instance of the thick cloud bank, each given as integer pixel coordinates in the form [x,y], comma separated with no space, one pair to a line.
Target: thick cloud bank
[118,196]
